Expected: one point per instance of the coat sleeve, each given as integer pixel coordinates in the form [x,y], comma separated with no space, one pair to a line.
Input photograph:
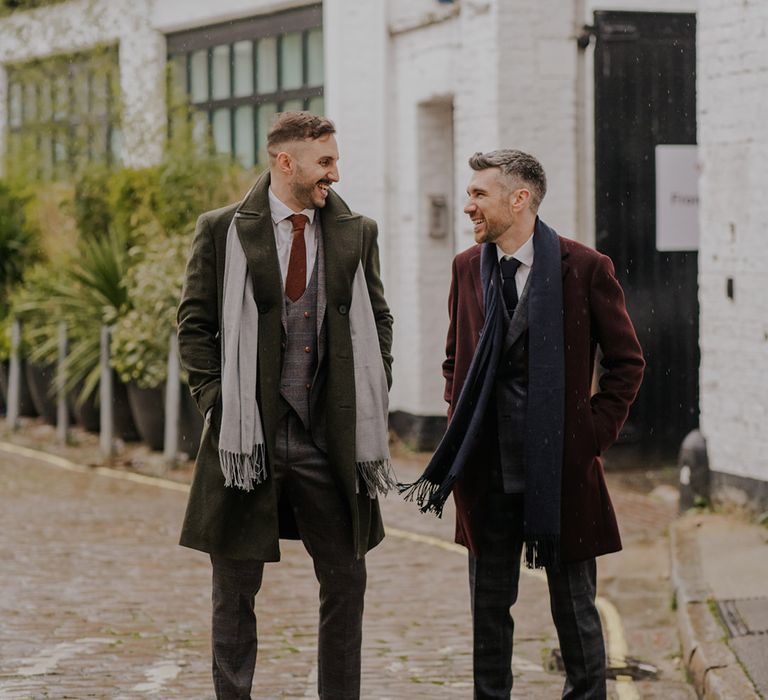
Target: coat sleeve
[450,342]
[381,312]
[622,358]
[198,320]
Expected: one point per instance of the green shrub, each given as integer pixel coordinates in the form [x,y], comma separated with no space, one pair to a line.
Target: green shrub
[33,303]
[141,336]
[19,241]
[92,209]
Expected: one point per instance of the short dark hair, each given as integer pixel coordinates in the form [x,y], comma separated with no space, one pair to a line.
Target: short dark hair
[517,165]
[297,126]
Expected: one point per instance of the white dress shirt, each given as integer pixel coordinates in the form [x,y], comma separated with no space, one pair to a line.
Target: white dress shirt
[525,255]
[283,229]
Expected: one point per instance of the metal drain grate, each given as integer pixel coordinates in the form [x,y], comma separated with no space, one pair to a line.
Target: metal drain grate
[744,616]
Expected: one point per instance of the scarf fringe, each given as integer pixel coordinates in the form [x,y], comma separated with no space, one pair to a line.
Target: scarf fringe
[428,496]
[378,475]
[542,551]
[244,471]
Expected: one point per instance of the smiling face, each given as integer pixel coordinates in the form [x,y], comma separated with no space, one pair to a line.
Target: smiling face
[305,170]
[490,205]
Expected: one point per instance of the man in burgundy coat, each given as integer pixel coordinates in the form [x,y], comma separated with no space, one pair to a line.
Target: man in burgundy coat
[528,310]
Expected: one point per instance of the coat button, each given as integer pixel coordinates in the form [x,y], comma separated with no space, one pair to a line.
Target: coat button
[343,309]
[307,314]
[282,345]
[307,386]
[263,308]
[307,348]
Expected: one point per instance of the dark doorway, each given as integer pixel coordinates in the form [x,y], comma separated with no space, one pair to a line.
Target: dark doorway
[645,95]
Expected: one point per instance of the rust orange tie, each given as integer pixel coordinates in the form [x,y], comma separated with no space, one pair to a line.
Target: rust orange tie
[296,279]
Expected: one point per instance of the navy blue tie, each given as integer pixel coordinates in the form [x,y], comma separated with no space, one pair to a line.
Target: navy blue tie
[508,287]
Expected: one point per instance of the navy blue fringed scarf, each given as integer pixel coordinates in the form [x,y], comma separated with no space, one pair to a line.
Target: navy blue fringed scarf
[546,401]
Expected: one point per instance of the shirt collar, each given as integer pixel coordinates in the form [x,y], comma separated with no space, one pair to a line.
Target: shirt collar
[280,211]
[524,253]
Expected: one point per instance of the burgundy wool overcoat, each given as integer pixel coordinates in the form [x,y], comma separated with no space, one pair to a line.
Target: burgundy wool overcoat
[594,315]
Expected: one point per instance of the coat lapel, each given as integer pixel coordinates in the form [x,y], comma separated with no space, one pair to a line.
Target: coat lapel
[477,282]
[257,236]
[342,241]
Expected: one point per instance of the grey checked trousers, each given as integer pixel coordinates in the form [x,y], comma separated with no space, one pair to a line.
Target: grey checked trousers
[302,475]
[493,582]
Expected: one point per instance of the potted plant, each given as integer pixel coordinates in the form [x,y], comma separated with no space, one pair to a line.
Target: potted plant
[19,248]
[141,338]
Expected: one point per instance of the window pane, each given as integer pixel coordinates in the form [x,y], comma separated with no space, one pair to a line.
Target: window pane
[61,97]
[45,101]
[317,106]
[46,155]
[199,76]
[116,145]
[99,143]
[292,106]
[222,131]
[99,93]
[60,147]
[81,92]
[220,87]
[200,128]
[15,105]
[265,117]
[179,75]
[30,102]
[291,62]
[315,67]
[243,67]
[244,136]
[267,65]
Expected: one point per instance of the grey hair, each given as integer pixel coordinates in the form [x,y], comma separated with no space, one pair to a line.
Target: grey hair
[521,167]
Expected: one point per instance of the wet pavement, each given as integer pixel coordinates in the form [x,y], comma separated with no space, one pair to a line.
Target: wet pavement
[98,601]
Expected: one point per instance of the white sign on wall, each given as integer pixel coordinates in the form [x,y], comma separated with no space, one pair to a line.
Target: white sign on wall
[677,198]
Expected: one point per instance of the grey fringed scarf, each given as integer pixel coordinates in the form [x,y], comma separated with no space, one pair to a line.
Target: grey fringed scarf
[241,438]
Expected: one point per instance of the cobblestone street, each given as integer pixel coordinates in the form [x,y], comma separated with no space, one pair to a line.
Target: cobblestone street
[98,601]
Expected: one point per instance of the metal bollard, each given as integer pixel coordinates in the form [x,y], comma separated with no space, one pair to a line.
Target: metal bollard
[14,379]
[62,411]
[172,403]
[694,472]
[106,394]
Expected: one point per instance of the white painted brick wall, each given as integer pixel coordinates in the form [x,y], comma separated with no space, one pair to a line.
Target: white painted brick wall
[537,96]
[422,71]
[732,101]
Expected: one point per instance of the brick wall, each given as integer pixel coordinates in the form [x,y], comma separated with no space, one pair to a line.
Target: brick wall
[733,137]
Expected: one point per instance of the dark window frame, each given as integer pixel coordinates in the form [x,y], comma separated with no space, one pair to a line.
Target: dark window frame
[184,43]
[67,118]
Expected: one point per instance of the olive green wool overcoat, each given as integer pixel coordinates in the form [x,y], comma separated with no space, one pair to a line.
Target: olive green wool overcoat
[248,525]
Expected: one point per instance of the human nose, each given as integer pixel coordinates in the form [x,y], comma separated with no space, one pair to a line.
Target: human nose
[469,207]
[333,174]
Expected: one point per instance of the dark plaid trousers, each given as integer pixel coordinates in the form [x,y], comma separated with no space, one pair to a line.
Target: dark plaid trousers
[493,583]
[301,473]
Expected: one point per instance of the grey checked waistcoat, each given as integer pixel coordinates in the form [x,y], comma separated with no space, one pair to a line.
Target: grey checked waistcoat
[511,393]
[301,349]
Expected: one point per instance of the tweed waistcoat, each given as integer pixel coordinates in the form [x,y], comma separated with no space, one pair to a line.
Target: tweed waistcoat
[511,397]
[511,393]
[300,352]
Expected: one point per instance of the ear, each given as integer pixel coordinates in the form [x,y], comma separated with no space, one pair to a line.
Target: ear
[520,198]
[284,162]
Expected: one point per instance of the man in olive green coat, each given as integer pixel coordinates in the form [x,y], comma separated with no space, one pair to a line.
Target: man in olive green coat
[302,252]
